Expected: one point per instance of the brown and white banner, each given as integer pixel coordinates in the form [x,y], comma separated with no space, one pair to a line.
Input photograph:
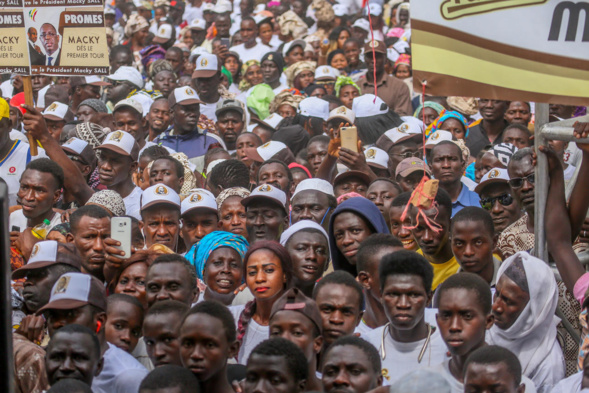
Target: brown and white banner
[532,50]
[14,55]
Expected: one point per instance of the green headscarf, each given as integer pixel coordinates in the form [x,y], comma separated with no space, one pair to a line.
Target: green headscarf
[343,81]
[429,104]
[226,72]
[259,100]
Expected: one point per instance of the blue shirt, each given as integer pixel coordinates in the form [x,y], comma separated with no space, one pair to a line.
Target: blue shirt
[193,144]
[465,198]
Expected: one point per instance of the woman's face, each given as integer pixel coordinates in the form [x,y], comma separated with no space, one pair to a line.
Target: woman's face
[141,35]
[132,282]
[347,94]
[244,141]
[187,39]
[232,216]
[339,62]
[159,14]
[318,92]
[305,78]
[428,115]
[265,33]
[232,65]
[343,36]
[403,71]
[286,110]
[264,275]
[295,55]
[223,271]
[165,82]
[254,75]
[455,127]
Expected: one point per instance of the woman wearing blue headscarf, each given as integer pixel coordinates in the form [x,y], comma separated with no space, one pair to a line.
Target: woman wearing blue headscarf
[218,259]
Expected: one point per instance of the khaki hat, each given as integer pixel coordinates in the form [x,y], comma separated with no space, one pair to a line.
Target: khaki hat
[49,253]
[295,300]
[410,165]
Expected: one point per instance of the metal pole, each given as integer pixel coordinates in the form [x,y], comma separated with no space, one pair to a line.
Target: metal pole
[541,186]
[6,358]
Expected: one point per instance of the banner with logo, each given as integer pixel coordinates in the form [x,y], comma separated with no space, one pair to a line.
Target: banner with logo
[14,55]
[66,37]
[531,50]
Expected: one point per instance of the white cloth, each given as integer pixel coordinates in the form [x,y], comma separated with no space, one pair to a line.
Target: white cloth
[14,164]
[18,135]
[254,334]
[121,373]
[532,337]
[133,203]
[255,53]
[402,358]
[17,218]
[363,329]
[209,110]
[191,13]
[7,88]
[571,384]
[41,96]
[140,354]
[569,172]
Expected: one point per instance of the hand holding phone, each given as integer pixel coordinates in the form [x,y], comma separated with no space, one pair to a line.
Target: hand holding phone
[349,138]
[120,230]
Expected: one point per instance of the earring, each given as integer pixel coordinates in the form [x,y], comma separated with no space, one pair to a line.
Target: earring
[98,326]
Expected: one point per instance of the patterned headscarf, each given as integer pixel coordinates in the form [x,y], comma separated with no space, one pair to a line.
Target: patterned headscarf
[342,81]
[259,100]
[286,97]
[110,200]
[403,59]
[135,24]
[189,179]
[229,192]
[323,11]
[445,115]
[159,66]
[296,68]
[291,24]
[91,133]
[244,84]
[150,54]
[200,252]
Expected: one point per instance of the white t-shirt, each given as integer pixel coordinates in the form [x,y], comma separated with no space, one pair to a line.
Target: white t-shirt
[569,172]
[7,88]
[209,110]
[363,329]
[191,13]
[121,373]
[571,384]
[255,53]
[14,164]
[254,335]
[402,358]
[133,203]
[17,218]
[18,135]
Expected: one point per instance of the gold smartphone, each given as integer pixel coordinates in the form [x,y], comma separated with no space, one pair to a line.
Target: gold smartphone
[349,138]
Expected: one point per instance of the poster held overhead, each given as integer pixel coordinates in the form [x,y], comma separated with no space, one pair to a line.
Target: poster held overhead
[14,54]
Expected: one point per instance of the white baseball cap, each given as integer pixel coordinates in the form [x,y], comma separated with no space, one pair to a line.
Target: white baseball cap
[56,111]
[377,157]
[199,199]
[495,175]
[342,112]
[222,7]
[326,72]
[213,164]
[198,24]
[184,96]
[340,10]
[74,290]
[208,7]
[130,103]
[365,106]
[80,148]
[270,121]
[268,192]
[164,33]
[363,24]
[402,132]
[159,194]
[121,142]
[267,151]
[314,184]
[414,121]
[288,45]
[314,107]
[129,74]
[207,66]
[374,8]
[196,52]
[437,137]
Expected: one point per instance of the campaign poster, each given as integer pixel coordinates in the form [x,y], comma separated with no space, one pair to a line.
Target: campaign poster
[71,37]
[14,55]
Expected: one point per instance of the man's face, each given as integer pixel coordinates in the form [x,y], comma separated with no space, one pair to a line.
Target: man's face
[274,174]
[207,88]
[72,356]
[350,184]
[462,321]
[37,193]
[118,91]
[170,280]
[88,91]
[346,368]
[249,31]
[230,125]
[430,242]
[352,52]
[164,171]
[32,34]
[270,374]
[492,110]
[55,128]
[186,117]
[494,196]
[89,238]
[400,228]
[131,121]
[349,230]
[382,193]
[176,60]
[310,205]
[232,217]
[561,111]
[298,329]
[176,13]
[525,193]
[359,34]
[473,245]
[410,182]
[309,253]
[508,303]
[518,112]
[204,348]
[161,333]
[114,168]
[447,165]
[197,223]
[15,117]
[517,138]
[49,39]
[123,326]
[404,298]
[496,377]
[400,151]
[120,59]
[380,60]
[165,81]
[265,221]
[39,82]
[340,311]
[56,319]
[37,287]
[161,224]
[159,116]
[316,153]
[223,24]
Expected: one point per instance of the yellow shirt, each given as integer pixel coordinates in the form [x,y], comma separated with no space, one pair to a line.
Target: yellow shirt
[442,270]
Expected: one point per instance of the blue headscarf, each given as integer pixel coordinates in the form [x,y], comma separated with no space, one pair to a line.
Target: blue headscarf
[445,115]
[200,252]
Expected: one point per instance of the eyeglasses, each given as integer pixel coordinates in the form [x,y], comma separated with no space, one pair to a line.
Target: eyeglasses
[408,154]
[519,181]
[504,199]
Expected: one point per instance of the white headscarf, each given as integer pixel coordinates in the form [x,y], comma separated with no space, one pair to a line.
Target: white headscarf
[533,334]
[299,226]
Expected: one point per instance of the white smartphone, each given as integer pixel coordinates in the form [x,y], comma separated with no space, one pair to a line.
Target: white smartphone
[120,230]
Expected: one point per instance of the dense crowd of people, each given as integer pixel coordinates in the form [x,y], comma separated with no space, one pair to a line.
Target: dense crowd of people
[272,246]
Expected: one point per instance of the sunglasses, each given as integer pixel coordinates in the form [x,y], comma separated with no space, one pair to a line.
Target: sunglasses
[519,181]
[408,154]
[488,203]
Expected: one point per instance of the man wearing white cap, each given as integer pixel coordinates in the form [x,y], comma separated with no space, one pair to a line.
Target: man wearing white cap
[266,213]
[124,81]
[199,216]
[400,143]
[314,113]
[497,199]
[326,76]
[313,199]
[198,29]
[56,115]
[83,88]
[160,213]
[128,116]
[206,80]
